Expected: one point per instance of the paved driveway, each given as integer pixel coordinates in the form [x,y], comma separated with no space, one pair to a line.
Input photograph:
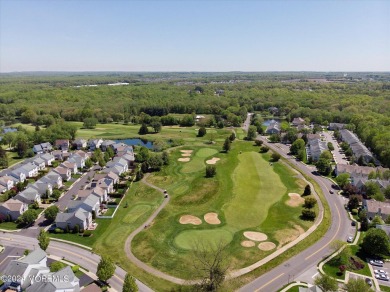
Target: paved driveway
[338,157]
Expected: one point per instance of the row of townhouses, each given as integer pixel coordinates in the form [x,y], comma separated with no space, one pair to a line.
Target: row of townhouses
[92,198]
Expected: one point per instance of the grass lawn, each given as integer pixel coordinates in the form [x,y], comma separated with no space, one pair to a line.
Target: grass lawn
[247,194]
[109,212]
[333,271]
[88,241]
[13,158]
[384,288]
[9,226]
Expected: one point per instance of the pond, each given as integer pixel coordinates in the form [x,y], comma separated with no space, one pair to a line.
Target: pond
[137,142]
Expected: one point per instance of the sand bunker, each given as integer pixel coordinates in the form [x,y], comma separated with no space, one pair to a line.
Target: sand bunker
[186,154]
[189,219]
[212,218]
[256,236]
[184,159]
[295,200]
[266,246]
[247,243]
[187,151]
[213,160]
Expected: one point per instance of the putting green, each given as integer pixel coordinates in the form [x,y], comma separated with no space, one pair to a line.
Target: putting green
[206,152]
[256,188]
[209,238]
[135,213]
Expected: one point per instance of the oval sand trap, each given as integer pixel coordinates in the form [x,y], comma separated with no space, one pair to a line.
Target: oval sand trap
[189,219]
[213,160]
[295,200]
[212,218]
[247,243]
[184,159]
[256,236]
[266,246]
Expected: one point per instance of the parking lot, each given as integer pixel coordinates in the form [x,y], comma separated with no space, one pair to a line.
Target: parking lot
[378,271]
[338,156]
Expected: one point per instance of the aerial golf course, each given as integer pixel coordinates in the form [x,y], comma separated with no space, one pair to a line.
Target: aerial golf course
[251,206]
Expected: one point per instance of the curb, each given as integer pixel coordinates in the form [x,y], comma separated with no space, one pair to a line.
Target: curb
[71,243]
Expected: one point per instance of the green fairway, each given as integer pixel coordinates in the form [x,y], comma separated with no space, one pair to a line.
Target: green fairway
[256,188]
[206,152]
[136,212]
[189,239]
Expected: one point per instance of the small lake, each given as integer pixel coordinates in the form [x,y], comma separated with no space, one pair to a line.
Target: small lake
[137,142]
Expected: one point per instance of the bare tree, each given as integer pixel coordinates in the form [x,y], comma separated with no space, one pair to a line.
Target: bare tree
[210,265]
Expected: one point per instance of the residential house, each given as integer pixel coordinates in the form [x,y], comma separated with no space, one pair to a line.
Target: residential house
[43,187]
[106,144]
[109,175]
[39,162]
[62,144]
[273,128]
[30,169]
[89,203]
[82,154]
[118,170]
[12,207]
[336,126]
[315,148]
[298,121]
[355,169]
[80,217]
[359,150]
[94,144]
[65,173]
[23,271]
[129,157]
[70,165]
[80,144]
[60,155]
[94,190]
[18,174]
[42,148]
[375,208]
[53,178]
[120,162]
[31,273]
[65,281]
[29,196]
[7,183]
[119,147]
[77,159]
[48,158]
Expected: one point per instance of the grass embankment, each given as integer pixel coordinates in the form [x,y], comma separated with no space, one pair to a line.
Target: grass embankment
[247,193]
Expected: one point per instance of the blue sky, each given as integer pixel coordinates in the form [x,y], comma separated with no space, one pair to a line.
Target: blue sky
[204,35]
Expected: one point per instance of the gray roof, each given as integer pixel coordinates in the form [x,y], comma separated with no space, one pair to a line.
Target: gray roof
[47,156]
[29,167]
[34,257]
[38,160]
[29,194]
[15,268]
[63,217]
[63,281]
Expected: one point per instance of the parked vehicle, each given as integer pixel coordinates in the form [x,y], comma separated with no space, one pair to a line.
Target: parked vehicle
[377,263]
[349,239]
[369,281]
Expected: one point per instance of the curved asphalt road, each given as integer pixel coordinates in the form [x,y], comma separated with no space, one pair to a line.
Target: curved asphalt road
[283,274]
[80,256]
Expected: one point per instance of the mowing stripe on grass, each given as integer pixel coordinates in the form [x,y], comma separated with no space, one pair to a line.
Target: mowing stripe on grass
[257,188]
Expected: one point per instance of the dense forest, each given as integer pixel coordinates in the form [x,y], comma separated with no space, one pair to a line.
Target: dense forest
[359,99]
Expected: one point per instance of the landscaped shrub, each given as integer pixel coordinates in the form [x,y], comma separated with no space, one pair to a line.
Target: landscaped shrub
[76,229]
[112,203]
[87,233]
[58,230]
[75,268]
[354,211]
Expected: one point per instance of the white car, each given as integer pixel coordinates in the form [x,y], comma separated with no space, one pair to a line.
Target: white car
[377,263]
[382,277]
[380,272]
[349,239]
